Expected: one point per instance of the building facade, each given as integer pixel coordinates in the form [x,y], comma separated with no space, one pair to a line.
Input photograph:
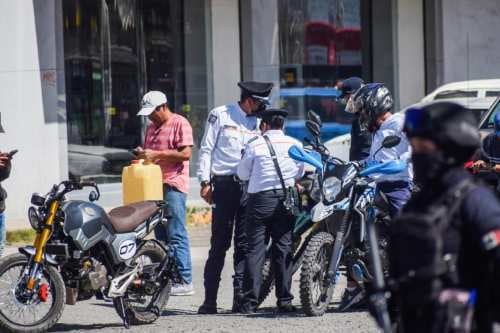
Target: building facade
[72,72]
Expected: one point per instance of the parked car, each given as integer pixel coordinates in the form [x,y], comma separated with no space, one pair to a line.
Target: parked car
[323,101]
[477,95]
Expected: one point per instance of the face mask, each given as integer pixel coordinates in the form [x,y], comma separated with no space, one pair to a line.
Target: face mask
[428,167]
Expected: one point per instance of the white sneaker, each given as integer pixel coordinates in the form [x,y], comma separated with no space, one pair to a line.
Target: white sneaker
[182,290]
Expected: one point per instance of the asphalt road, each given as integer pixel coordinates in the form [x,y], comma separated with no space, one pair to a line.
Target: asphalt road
[180,314]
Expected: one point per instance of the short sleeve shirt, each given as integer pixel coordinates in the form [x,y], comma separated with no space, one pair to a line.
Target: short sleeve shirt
[173,134]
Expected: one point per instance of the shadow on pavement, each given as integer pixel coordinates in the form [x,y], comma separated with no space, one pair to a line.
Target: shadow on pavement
[78,327]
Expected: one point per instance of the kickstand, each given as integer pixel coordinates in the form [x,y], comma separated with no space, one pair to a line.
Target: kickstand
[126,321]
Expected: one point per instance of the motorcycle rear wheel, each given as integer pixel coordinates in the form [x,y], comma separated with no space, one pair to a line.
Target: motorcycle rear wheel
[56,292]
[140,315]
[313,273]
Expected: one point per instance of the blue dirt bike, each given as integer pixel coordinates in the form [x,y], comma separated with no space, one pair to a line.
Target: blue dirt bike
[349,207]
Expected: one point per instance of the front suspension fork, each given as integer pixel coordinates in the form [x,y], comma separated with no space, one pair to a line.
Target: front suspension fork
[39,245]
[338,243]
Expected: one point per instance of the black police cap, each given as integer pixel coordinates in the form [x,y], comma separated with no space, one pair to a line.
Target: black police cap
[269,113]
[256,88]
[351,85]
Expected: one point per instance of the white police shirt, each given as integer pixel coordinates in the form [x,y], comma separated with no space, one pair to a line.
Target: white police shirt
[227,131]
[392,126]
[258,167]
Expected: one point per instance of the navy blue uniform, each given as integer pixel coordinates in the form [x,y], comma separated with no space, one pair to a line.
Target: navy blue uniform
[478,215]
[361,141]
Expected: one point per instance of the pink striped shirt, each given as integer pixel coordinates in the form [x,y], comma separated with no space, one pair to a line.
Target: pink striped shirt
[173,134]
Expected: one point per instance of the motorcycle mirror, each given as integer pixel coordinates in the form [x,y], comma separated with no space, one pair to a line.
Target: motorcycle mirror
[314,117]
[313,128]
[391,141]
[93,196]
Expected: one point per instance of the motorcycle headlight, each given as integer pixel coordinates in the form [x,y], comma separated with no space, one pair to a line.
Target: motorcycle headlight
[331,188]
[34,218]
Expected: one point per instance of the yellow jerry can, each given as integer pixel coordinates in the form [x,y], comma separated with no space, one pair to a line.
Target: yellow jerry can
[142,181]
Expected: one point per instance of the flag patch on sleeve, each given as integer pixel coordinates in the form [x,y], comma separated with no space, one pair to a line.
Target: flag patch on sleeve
[212,118]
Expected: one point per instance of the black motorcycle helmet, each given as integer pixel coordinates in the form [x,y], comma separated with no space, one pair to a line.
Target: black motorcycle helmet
[371,101]
[452,127]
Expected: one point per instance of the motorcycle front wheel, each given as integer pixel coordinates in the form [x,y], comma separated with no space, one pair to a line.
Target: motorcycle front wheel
[314,296]
[143,308]
[23,311]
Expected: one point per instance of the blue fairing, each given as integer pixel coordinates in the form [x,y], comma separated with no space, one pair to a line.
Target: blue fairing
[386,168]
[300,154]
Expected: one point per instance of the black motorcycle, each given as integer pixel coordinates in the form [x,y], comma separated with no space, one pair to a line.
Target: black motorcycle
[80,251]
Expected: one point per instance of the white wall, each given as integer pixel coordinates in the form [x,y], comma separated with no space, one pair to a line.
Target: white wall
[471,39]
[30,81]
[226,51]
[410,70]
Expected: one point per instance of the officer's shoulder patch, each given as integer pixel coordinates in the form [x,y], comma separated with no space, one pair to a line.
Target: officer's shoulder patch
[212,118]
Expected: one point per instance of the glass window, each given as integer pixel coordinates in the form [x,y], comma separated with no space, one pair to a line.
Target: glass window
[115,51]
[492,93]
[456,94]
[491,117]
[320,44]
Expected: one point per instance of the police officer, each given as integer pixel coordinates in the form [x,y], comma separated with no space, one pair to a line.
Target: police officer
[266,213]
[361,139]
[228,129]
[374,104]
[443,136]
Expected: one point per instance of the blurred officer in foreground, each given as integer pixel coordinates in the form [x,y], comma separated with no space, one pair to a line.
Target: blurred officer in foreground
[271,174]
[444,253]
[227,130]
[361,139]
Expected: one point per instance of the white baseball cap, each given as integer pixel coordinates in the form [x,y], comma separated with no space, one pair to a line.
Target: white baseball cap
[150,101]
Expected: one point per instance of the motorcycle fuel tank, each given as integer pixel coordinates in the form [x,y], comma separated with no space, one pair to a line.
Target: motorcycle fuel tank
[86,223]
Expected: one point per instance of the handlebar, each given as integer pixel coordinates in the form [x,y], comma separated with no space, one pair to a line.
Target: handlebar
[70,186]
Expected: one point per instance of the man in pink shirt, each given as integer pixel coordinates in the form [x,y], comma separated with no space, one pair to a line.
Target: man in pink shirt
[168,143]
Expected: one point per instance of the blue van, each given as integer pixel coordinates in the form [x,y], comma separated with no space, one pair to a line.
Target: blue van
[323,101]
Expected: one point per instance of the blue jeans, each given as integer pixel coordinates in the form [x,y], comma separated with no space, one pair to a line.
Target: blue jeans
[398,193]
[175,233]
[2,233]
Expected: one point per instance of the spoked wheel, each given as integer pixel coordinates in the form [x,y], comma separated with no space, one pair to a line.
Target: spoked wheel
[313,294]
[145,301]
[26,311]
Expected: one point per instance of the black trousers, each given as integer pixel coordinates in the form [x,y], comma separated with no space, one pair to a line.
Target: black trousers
[267,216]
[228,214]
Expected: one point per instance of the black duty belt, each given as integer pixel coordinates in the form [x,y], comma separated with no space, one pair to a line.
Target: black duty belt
[225,178]
[273,190]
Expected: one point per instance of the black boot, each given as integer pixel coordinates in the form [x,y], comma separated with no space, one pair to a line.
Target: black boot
[237,298]
[207,308]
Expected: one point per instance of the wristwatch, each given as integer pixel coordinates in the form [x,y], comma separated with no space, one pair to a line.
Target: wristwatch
[204,183]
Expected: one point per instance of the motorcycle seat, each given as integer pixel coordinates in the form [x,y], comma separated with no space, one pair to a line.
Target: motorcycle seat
[127,218]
